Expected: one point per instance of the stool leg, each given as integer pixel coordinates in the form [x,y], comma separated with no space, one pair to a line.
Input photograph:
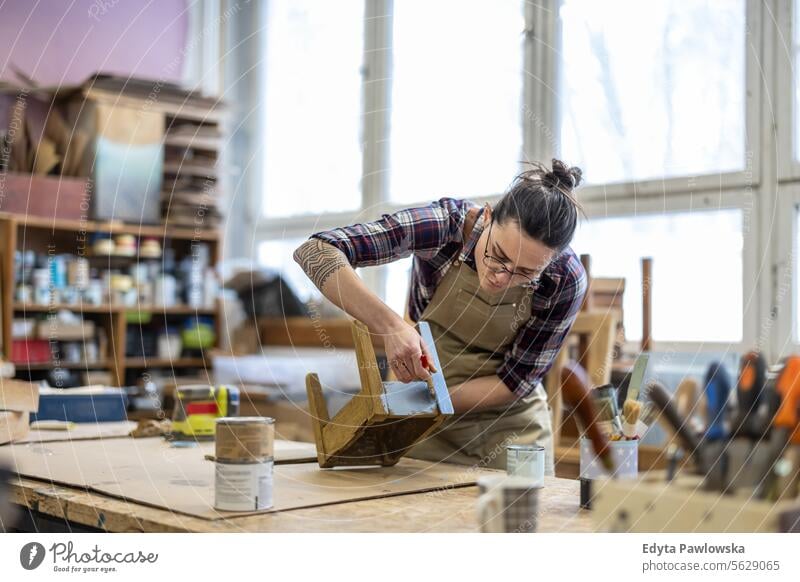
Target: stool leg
[319,413]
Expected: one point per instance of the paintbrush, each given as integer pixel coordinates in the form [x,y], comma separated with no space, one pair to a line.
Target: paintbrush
[605,398]
[647,418]
[661,399]
[630,413]
[575,390]
[631,408]
[428,365]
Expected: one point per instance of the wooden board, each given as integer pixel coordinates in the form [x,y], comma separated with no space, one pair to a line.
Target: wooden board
[451,510]
[81,432]
[151,472]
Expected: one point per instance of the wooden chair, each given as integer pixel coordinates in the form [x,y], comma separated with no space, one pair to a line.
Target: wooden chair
[385,419]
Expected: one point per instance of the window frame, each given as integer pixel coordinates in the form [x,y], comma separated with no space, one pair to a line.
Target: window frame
[745,189]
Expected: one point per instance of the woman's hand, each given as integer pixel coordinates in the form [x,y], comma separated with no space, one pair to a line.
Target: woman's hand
[404,349]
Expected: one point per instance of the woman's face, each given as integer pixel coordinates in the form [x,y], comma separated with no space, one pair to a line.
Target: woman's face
[508,246]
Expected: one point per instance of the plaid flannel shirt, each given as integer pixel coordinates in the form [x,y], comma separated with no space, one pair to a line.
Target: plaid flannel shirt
[433,235]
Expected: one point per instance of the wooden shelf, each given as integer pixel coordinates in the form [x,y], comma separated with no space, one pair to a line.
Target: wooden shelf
[196,142]
[160,231]
[67,236]
[68,365]
[111,309]
[189,169]
[166,363]
[80,308]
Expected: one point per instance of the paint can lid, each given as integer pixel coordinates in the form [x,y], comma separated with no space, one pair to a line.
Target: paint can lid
[245,420]
[524,448]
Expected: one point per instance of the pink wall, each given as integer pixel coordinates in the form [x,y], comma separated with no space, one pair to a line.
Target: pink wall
[60,43]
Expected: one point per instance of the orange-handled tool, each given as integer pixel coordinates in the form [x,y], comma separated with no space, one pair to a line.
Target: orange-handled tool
[787,386]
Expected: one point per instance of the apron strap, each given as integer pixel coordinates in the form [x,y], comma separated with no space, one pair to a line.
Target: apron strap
[470,220]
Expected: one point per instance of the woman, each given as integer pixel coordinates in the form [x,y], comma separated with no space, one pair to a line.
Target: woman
[500,289]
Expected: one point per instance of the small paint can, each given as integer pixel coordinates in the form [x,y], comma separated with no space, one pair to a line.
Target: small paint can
[526,461]
[244,439]
[625,455]
[243,486]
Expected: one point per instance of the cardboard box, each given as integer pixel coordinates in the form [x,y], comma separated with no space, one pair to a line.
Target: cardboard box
[46,196]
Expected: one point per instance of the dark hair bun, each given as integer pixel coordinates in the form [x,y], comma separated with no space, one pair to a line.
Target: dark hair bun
[562,176]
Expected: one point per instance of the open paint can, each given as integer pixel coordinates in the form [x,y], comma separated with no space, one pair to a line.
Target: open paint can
[526,461]
[243,486]
[244,439]
[624,454]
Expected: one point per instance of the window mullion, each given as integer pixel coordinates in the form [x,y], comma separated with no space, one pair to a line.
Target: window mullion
[539,86]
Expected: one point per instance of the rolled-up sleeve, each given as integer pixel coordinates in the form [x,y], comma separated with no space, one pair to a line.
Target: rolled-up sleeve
[422,231]
[555,305]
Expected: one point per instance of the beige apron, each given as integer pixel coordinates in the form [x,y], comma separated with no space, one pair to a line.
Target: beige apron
[473,330]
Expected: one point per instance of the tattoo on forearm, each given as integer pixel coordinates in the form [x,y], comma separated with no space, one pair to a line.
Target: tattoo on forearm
[319,260]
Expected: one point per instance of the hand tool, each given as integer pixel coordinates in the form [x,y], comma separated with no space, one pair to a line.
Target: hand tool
[432,369]
[786,427]
[690,404]
[637,377]
[630,413]
[749,391]
[576,393]
[747,427]
[605,398]
[718,387]
[198,407]
[661,399]
[717,390]
[631,408]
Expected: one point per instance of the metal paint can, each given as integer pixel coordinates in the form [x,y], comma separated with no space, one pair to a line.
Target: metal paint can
[625,455]
[526,461]
[243,486]
[244,439]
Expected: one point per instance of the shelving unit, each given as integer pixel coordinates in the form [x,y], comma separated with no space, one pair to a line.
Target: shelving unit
[71,237]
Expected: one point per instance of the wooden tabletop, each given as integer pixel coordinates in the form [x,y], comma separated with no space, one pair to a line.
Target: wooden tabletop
[440,509]
[451,510]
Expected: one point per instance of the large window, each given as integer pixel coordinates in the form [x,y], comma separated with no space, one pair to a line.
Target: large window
[796,79]
[697,270]
[278,255]
[652,89]
[312,106]
[398,277]
[370,106]
[456,98]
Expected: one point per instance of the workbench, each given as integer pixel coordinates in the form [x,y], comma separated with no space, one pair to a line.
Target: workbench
[451,510]
[52,505]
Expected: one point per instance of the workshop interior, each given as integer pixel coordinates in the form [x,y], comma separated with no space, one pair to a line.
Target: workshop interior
[452,266]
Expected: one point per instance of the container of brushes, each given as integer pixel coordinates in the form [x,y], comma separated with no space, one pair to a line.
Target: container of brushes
[624,453]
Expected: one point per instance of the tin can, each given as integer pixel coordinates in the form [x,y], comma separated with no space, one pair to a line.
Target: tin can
[244,439]
[526,461]
[625,455]
[243,486]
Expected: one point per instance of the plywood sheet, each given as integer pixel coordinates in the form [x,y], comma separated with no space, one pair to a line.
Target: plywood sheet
[82,431]
[150,472]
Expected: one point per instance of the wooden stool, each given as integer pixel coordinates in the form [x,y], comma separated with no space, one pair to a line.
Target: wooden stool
[385,419]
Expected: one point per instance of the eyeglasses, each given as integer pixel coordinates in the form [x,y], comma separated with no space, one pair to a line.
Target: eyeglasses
[497,266]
